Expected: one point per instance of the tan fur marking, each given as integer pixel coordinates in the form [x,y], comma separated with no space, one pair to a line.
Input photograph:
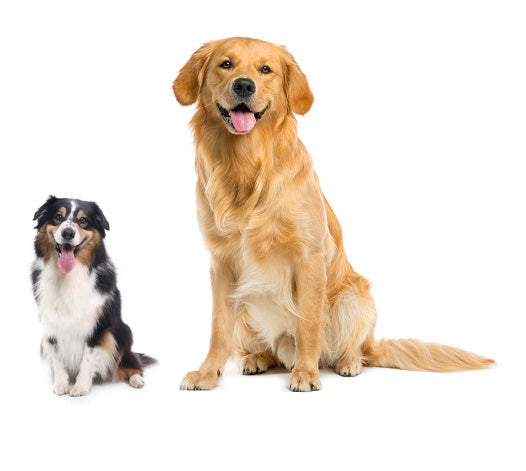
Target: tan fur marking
[87,251]
[124,374]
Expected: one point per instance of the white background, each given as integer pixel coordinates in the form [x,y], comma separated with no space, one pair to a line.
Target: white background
[418,136]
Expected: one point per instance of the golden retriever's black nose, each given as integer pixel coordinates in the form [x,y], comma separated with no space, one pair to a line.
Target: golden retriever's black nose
[68,234]
[243,87]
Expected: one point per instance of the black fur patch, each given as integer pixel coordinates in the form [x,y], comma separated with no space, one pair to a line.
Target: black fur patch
[35,277]
[110,319]
[106,278]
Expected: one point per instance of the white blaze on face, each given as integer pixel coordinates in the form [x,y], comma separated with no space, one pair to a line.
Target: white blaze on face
[66,261]
[67,224]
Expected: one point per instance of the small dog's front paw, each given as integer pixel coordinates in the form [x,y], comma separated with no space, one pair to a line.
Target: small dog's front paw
[79,390]
[304,381]
[61,387]
[200,380]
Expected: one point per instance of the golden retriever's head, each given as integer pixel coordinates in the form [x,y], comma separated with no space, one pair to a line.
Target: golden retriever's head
[240,81]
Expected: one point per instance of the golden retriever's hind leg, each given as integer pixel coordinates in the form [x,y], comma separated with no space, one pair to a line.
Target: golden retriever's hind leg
[356,321]
[257,363]
[285,351]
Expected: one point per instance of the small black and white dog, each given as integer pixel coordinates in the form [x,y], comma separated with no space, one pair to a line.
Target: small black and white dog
[75,286]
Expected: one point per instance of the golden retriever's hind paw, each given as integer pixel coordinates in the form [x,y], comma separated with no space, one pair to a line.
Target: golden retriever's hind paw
[254,363]
[200,380]
[304,381]
[349,368]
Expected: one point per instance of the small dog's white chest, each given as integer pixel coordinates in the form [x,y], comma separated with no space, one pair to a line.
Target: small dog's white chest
[69,307]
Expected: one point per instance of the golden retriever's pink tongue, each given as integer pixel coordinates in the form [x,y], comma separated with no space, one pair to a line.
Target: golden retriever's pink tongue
[66,261]
[243,120]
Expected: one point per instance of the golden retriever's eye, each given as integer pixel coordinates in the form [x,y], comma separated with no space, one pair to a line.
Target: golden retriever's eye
[265,69]
[226,64]
[59,217]
[83,222]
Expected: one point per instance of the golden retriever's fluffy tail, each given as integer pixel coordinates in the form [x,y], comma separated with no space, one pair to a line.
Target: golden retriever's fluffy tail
[411,354]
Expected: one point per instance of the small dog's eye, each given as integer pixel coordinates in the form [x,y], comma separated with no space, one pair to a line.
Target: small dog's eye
[265,69]
[226,64]
[59,217]
[83,221]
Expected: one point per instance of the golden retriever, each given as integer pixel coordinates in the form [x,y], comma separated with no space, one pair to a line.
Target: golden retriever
[284,293]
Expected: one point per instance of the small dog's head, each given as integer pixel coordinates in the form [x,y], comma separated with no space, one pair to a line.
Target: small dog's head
[240,81]
[70,230]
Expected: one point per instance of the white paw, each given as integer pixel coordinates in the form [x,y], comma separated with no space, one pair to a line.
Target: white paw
[136,381]
[61,387]
[79,390]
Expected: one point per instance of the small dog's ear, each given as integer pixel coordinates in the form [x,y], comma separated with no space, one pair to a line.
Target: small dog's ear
[297,90]
[188,83]
[41,214]
[101,222]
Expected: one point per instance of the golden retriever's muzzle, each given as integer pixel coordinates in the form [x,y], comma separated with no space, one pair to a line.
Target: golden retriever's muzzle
[241,118]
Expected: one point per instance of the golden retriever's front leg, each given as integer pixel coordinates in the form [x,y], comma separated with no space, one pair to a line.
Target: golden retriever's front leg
[310,288]
[207,376]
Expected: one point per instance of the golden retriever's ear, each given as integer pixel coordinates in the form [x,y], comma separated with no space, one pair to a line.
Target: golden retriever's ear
[188,83]
[297,88]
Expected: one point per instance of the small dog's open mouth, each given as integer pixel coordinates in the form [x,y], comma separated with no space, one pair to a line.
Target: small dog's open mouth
[66,256]
[68,248]
[241,118]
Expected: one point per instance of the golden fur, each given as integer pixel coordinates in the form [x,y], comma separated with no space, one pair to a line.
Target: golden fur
[284,293]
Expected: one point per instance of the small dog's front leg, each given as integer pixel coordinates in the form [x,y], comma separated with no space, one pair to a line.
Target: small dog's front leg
[84,379]
[60,375]
[311,291]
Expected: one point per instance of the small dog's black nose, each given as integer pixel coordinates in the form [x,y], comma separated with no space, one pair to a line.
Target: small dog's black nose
[68,234]
[243,87]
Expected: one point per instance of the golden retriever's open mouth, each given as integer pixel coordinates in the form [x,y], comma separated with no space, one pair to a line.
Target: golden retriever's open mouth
[241,118]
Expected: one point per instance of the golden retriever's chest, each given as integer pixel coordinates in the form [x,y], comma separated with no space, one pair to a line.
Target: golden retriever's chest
[260,233]
[265,293]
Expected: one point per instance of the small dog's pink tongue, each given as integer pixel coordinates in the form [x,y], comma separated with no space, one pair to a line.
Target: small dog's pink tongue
[66,261]
[243,120]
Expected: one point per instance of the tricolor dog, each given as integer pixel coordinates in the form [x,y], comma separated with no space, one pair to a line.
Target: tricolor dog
[74,284]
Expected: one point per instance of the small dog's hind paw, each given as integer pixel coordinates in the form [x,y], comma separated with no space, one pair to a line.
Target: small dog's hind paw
[136,381]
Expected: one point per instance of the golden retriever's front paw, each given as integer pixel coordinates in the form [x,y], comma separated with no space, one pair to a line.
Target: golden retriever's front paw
[303,381]
[200,380]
